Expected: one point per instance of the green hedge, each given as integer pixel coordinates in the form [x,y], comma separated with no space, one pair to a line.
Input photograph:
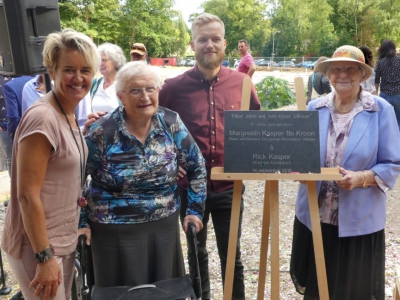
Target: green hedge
[274,93]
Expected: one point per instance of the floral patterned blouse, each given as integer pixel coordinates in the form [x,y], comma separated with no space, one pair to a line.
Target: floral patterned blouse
[134,182]
[339,131]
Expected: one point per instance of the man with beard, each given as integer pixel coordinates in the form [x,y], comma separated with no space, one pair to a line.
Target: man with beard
[200,96]
[246,65]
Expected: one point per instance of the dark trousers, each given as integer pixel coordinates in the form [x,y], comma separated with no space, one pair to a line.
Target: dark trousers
[395,102]
[219,205]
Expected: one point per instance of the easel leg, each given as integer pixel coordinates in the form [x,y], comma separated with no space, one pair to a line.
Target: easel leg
[264,242]
[274,194]
[233,235]
[317,240]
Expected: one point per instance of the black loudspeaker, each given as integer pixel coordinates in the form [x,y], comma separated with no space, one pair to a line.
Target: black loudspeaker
[24,26]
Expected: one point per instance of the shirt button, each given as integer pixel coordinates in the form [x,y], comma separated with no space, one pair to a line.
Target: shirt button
[211,87]
[212,160]
[212,118]
[212,103]
[213,132]
[213,147]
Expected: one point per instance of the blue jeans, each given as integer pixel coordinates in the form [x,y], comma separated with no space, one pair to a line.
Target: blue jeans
[395,102]
[6,146]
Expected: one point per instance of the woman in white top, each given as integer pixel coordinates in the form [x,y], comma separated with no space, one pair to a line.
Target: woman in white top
[103,95]
[369,84]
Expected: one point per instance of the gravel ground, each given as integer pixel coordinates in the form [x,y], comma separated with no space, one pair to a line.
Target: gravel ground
[251,239]
[251,230]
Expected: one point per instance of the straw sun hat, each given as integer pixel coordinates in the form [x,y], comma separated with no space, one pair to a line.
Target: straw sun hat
[345,53]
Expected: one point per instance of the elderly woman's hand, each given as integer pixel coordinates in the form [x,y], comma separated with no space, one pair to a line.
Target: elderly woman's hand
[192,219]
[350,179]
[47,279]
[181,173]
[87,232]
[91,118]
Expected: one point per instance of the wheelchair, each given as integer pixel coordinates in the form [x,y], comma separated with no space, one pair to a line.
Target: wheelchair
[186,287]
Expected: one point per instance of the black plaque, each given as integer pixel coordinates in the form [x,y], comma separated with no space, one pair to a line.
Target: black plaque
[271,142]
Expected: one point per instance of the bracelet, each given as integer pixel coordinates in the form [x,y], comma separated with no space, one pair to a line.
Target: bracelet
[44,255]
[365,180]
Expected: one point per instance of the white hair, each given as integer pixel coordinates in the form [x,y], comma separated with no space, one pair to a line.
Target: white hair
[135,69]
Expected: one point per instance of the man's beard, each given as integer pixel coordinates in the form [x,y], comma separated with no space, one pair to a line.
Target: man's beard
[210,63]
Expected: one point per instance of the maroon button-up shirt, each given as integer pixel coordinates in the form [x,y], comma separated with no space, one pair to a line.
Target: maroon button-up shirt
[201,104]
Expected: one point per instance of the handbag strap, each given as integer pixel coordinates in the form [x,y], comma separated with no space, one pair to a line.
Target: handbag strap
[95,86]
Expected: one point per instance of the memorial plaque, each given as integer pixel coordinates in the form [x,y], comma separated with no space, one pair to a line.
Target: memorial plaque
[271,142]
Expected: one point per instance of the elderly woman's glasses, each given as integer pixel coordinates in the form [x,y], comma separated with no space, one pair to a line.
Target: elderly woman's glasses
[350,70]
[136,92]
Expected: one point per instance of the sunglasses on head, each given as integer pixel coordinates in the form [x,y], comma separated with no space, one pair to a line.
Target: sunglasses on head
[138,48]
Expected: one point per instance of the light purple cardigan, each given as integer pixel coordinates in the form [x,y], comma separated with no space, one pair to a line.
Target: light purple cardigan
[374,143]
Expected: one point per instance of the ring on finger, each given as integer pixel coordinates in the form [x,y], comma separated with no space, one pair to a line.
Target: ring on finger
[39,286]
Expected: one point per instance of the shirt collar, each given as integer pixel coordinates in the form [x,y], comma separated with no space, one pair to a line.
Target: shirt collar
[367,101]
[119,114]
[221,73]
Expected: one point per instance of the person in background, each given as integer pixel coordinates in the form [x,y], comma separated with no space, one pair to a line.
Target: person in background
[318,84]
[5,140]
[132,216]
[369,84]
[138,52]
[48,165]
[246,64]
[102,93]
[358,135]
[33,90]
[13,99]
[387,75]
[200,96]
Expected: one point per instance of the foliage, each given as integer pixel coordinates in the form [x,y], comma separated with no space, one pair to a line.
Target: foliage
[243,19]
[274,93]
[99,19]
[149,22]
[152,22]
[306,28]
[181,37]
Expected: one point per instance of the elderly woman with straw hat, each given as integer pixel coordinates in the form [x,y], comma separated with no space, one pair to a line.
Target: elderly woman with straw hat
[359,136]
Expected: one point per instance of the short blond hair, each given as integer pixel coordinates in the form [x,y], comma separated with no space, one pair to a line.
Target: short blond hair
[69,39]
[204,19]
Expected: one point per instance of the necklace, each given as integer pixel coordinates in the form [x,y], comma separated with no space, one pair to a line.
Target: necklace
[81,200]
[342,111]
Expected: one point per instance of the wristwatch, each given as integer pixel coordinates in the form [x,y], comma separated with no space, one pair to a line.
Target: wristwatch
[44,255]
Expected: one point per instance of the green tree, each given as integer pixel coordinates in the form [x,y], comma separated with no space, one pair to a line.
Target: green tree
[319,38]
[181,36]
[243,19]
[99,19]
[287,18]
[149,22]
[303,30]
[386,20]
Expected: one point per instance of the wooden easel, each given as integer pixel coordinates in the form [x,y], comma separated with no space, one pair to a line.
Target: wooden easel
[271,217]
[396,290]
